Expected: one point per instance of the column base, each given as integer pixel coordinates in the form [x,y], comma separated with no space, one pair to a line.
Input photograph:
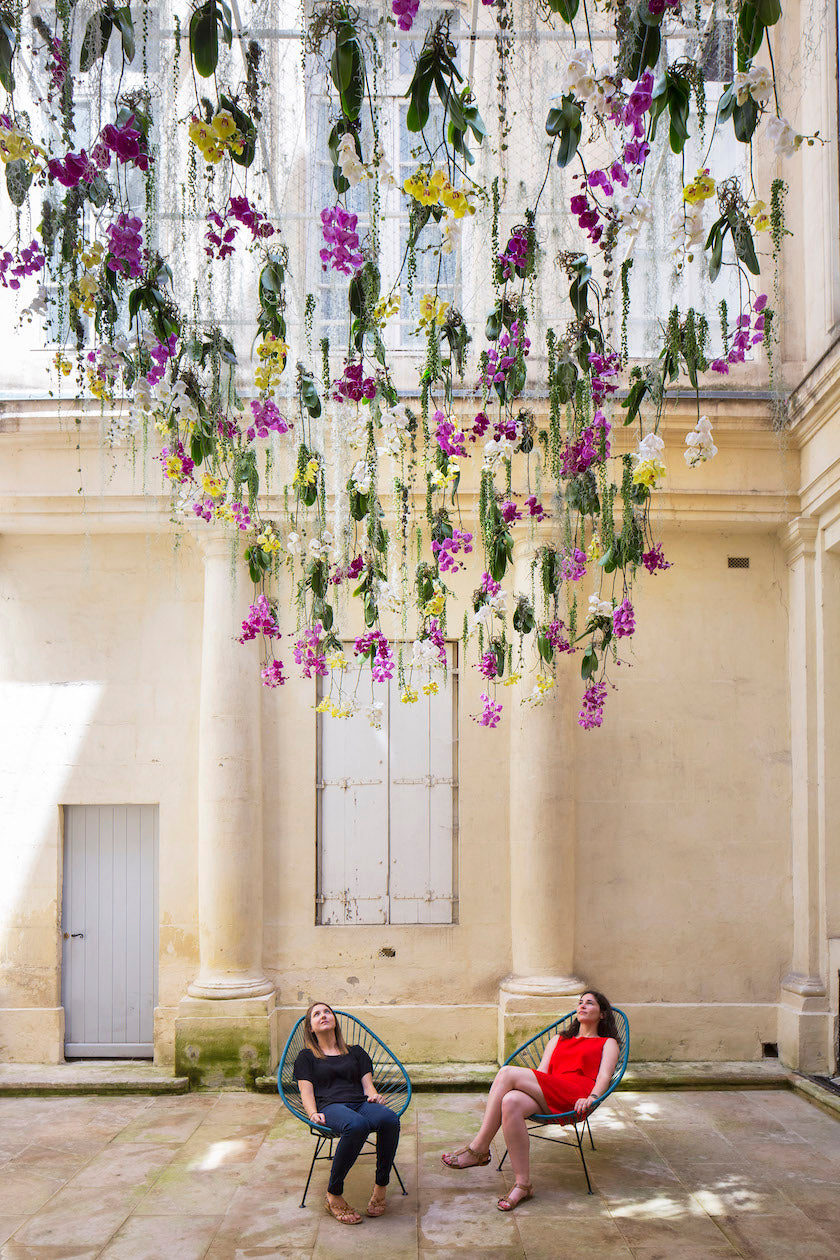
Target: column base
[527,1004]
[225,1042]
[805,1026]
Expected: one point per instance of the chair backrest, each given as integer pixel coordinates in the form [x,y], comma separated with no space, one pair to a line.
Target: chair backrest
[530,1054]
[389,1075]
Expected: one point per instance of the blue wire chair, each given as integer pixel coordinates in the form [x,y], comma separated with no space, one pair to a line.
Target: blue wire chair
[389,1077]
[530,1054]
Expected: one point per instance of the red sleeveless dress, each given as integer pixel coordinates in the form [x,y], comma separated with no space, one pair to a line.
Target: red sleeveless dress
[572,1071]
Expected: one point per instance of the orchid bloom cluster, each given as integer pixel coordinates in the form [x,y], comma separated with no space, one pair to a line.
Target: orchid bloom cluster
[368,515]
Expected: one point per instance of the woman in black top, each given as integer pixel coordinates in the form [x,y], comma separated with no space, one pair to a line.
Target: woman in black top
[337,1090]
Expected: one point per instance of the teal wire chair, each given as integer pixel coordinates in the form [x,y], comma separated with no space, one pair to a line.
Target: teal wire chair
[530,1054]
[389,1077]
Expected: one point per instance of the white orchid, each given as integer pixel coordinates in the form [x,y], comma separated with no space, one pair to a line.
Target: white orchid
[756,82]
[361,476]
[782,136]
[353,170]
[700,446]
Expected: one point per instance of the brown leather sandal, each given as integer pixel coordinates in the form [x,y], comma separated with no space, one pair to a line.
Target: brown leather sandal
[479,1160]
[376,1206]
[505,1205]
[343,1213]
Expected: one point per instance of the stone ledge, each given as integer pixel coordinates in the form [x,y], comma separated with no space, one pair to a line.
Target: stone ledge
[763,1074]
[826,1099]
[87,1077]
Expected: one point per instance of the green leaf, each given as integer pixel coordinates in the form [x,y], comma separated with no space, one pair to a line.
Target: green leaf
[750,34]
[8,43]
[745,120]
[567,9]
[125,25]
[589,663]
[726,104]
[768,11]
[18,179]
[204,39]
[634,400]
[418,93]
[745,247]
[646,48]
[95,42]
[565,121]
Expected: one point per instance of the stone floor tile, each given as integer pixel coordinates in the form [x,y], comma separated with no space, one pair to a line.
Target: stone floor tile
[124,1164]
[217,1145]
[657,1238]
[466,1219]
[391,1236]
[55,1163]
[732,1193]
[25,1192]
[780,1236]
[79,1218]
[256,1225]
[819,1200]
[177,1191]
[154,1237]
[48,1251]
[162,1129]
[8,1225]
[547,1238]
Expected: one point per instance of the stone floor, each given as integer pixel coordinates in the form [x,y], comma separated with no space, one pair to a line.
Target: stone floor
[679,1175]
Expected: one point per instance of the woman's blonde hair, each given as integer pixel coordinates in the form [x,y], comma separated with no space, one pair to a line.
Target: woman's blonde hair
[310,1039]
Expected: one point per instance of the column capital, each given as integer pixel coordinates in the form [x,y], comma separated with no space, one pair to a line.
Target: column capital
[526,544]
[214,541]
[799,538]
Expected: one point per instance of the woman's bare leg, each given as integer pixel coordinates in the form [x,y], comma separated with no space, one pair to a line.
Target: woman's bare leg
[522,1080]
[516,1108]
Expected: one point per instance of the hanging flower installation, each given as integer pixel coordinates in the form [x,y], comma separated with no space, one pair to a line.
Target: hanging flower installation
[370,514]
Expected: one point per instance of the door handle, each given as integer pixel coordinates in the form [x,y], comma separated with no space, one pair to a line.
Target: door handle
[70,935]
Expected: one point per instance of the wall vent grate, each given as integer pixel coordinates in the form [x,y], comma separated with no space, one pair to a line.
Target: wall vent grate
[738,562]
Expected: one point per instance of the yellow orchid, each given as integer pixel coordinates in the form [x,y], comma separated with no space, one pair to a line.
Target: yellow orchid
[431,688]
[760,217]
[544,683]
[648,472]
[409,696]
[511,680]
[223,125]
[432,310]
[337,660]
[594,551]
[268,541]
[434,606]
[212,486]
[700,189]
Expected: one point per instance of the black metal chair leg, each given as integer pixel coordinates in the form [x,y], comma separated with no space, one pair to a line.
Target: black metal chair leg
[504,1157]
[319,1143]
[589,1131]
[583,1161]
[399,1178]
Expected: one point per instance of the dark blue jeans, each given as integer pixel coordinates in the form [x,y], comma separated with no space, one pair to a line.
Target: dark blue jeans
[354,1122]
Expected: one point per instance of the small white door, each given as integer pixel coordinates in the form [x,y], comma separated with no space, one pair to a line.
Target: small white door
[110,930]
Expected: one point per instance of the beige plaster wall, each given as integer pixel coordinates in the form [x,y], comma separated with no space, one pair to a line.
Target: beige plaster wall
[684,805]
[100,639]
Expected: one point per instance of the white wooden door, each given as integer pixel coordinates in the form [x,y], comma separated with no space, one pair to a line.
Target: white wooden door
[110,930]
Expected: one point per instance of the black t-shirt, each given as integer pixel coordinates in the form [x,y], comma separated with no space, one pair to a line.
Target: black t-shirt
[337,1078]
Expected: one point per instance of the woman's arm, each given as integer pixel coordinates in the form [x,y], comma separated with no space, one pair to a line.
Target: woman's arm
[307,1097]
[549,1051]
[370,1090]
[609,1058]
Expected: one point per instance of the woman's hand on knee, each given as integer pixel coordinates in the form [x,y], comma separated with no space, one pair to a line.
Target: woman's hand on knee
[316,1117]
[378,1098]
[584,1105]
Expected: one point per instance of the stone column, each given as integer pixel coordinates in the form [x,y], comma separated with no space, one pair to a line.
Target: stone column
[222,1030]
[542,829]
[803,1005]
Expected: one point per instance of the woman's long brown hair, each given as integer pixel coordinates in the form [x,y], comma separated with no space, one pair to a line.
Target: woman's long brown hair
[310,1039]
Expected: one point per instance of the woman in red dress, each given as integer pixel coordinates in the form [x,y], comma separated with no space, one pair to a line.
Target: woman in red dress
[575,1070]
